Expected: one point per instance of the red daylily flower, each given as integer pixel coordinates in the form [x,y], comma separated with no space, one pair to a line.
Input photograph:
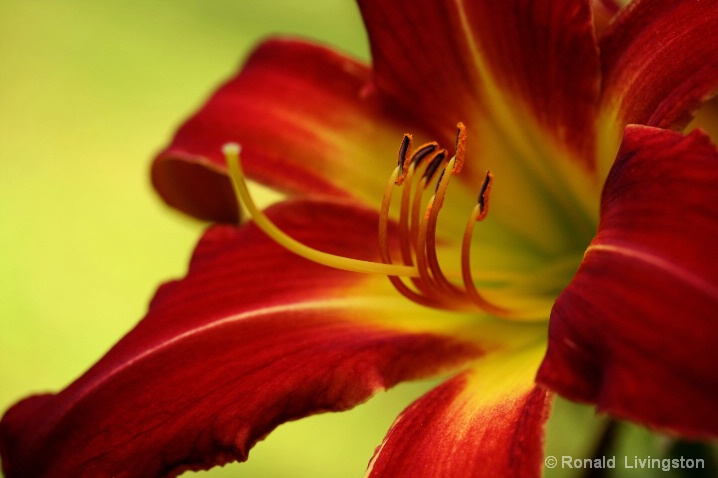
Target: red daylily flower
[604,219]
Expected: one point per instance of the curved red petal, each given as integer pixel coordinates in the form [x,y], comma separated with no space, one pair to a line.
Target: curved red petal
[635,331]
[448,62]
[252,337]
[659,62]
[456,430]
[306,124]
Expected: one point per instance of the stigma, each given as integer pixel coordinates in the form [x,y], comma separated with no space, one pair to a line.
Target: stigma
[416,272]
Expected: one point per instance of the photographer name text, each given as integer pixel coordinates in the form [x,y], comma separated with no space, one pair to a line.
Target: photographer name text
[628,462]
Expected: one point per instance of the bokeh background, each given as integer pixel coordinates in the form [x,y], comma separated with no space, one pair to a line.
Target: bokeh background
[89,91]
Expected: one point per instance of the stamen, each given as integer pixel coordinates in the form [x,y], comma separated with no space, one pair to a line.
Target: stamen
[420,188]
[478,214]
[430,287]
[398,284]
[428,283]
[403,158]
[231,152]
[431,216]
[425,295]
[409,231]
[417,159]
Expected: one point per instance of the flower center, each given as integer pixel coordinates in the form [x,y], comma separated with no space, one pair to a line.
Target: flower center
[418,275]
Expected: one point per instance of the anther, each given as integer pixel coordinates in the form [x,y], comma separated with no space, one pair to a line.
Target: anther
[403,158]
[484,194]
[423,152]
[433,167]
[460,148]
[438,182]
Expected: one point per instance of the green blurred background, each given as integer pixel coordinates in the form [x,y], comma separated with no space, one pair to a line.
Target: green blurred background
[89,91]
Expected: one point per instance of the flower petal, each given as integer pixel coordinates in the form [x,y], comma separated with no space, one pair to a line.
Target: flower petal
[659,63]
[523,77]
[635,331]
[456,54]
[254,336]
[305,122]
[488,421]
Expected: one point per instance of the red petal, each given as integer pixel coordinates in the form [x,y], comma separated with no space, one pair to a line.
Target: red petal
[442,61]
[660,60]
[635,331]
[305,122]
[457,430]
[254,336]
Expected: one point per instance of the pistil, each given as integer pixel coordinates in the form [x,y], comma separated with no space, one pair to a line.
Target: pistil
[231,153]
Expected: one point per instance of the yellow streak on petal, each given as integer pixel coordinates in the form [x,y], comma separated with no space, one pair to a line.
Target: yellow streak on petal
[610,133]
[503,376]
[518,135]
